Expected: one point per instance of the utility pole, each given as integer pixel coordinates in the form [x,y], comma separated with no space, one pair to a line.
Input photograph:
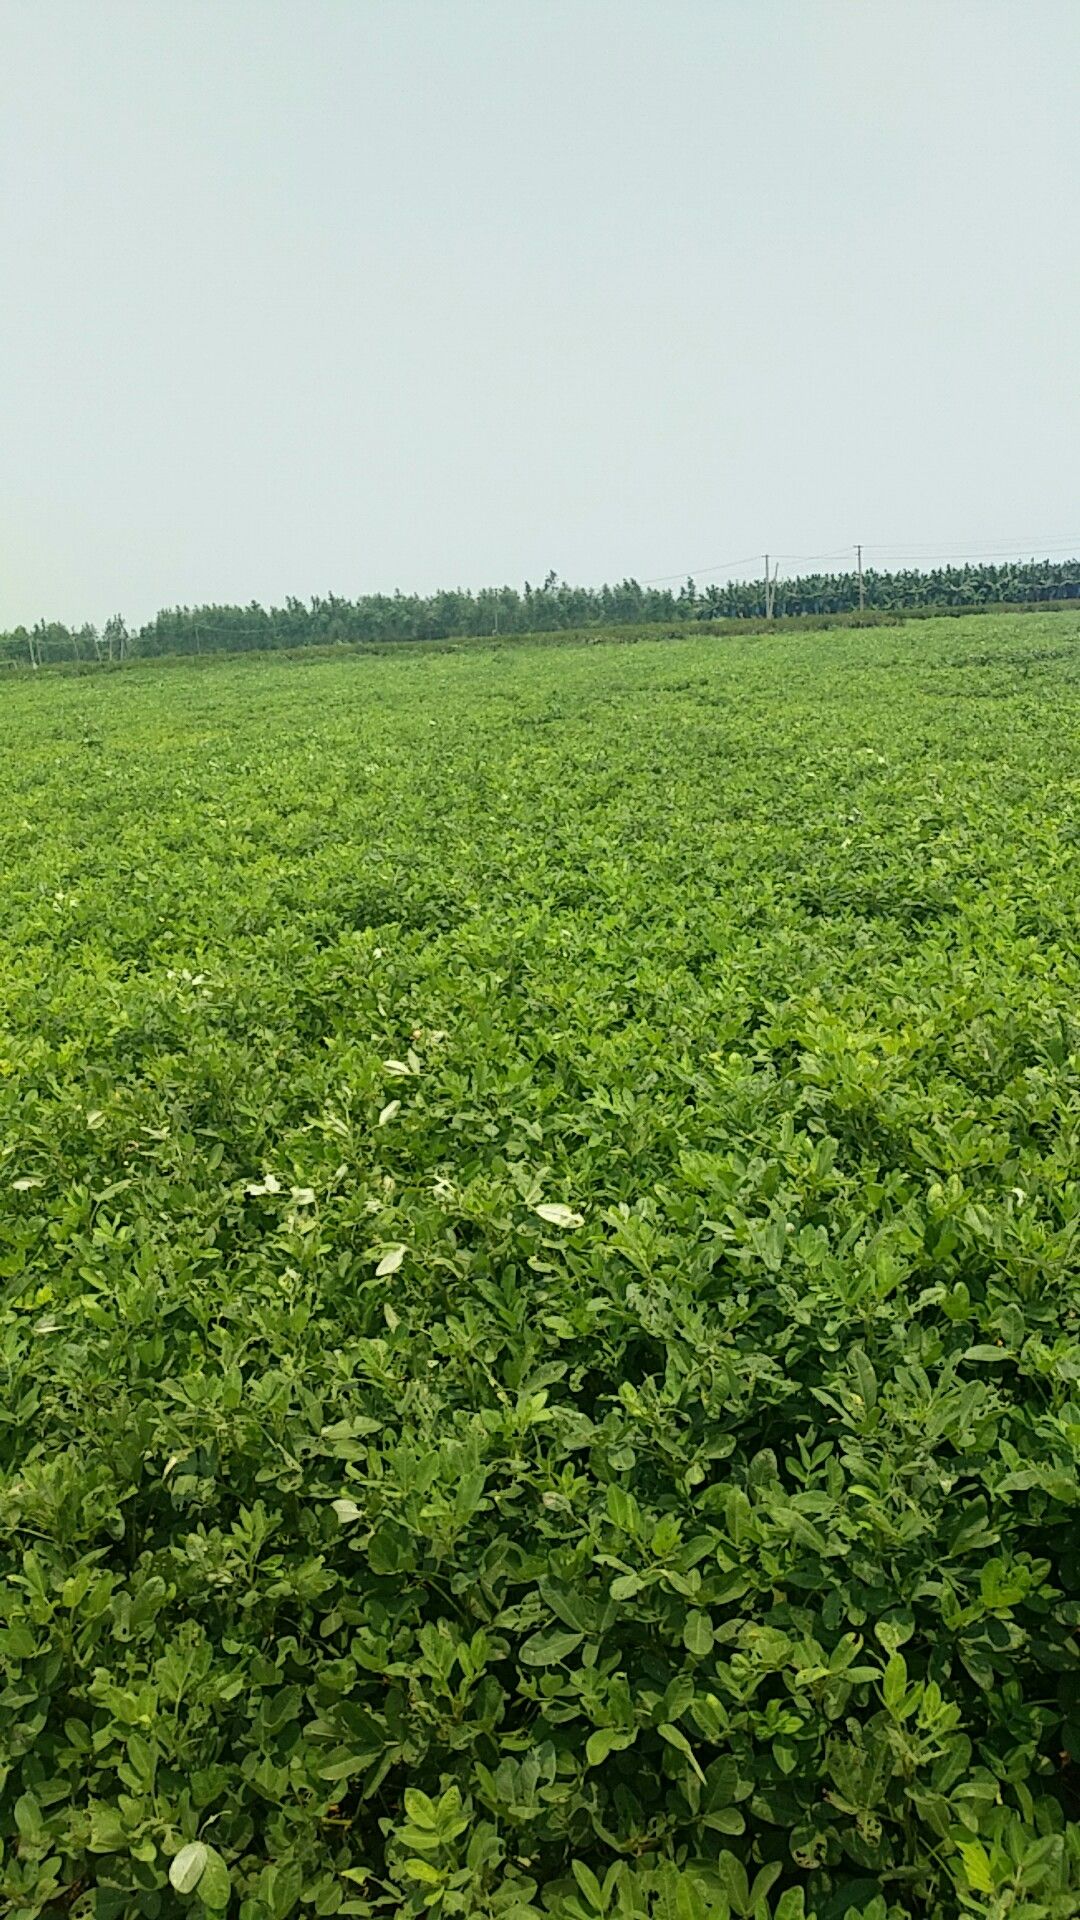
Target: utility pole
[862,586]
[768,594]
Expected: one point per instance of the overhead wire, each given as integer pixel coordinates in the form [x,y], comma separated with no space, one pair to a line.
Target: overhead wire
[690,573]
[1021,551]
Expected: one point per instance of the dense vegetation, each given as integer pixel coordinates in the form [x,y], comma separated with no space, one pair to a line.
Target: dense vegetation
[538,1246]
[553,607]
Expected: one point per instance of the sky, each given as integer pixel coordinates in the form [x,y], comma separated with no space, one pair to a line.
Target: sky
[300,296]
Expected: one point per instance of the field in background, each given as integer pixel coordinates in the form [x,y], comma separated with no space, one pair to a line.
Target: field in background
[538,1281]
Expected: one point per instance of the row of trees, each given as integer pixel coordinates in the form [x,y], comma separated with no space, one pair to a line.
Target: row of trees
[50,640]
[329,620]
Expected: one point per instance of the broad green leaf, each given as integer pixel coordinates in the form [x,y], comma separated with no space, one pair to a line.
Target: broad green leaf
[607,1740]
[698,1635]
[558,1215]
[425,1871]
[547,1649]
[279,1888]
[28,1816]
[589,1884]
[724,1820]
[186,1867]
[421,1810]
[623,1509]
[976,1865]
[679,1741]
[213,1887]
[791,1905]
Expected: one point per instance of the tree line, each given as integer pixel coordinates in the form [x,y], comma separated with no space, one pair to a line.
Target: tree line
[552,606]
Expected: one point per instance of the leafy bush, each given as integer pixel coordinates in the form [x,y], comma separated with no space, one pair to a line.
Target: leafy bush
[538,1216]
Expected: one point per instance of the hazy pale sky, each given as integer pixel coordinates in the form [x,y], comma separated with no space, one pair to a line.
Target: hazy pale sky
[303,295]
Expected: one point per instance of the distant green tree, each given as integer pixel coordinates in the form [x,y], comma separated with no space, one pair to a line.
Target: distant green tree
[117,638]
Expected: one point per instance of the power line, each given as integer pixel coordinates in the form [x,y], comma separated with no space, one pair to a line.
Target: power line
[1013,550]
[694,573]
[1022,551]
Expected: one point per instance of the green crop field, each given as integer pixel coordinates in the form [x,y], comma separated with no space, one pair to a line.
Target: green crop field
[539,1281]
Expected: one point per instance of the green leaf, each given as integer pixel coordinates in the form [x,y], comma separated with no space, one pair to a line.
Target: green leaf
[679,1741]
[547,1649]
[698,1635]
[733,1878]
[213,1888]
[791,1905]
[28,1816]
[607,1740]
[186,1867]
[763,1881]
[558,1215]
[425,1871]
[867,1378]
[894,1684]
[895,1630]
[724,1820]
[279,1888]
[421,1810]
[976,1865]
[623,1509]
[589,1884]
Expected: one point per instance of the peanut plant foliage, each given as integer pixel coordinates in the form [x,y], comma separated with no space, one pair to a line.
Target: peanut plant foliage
[539,1282]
